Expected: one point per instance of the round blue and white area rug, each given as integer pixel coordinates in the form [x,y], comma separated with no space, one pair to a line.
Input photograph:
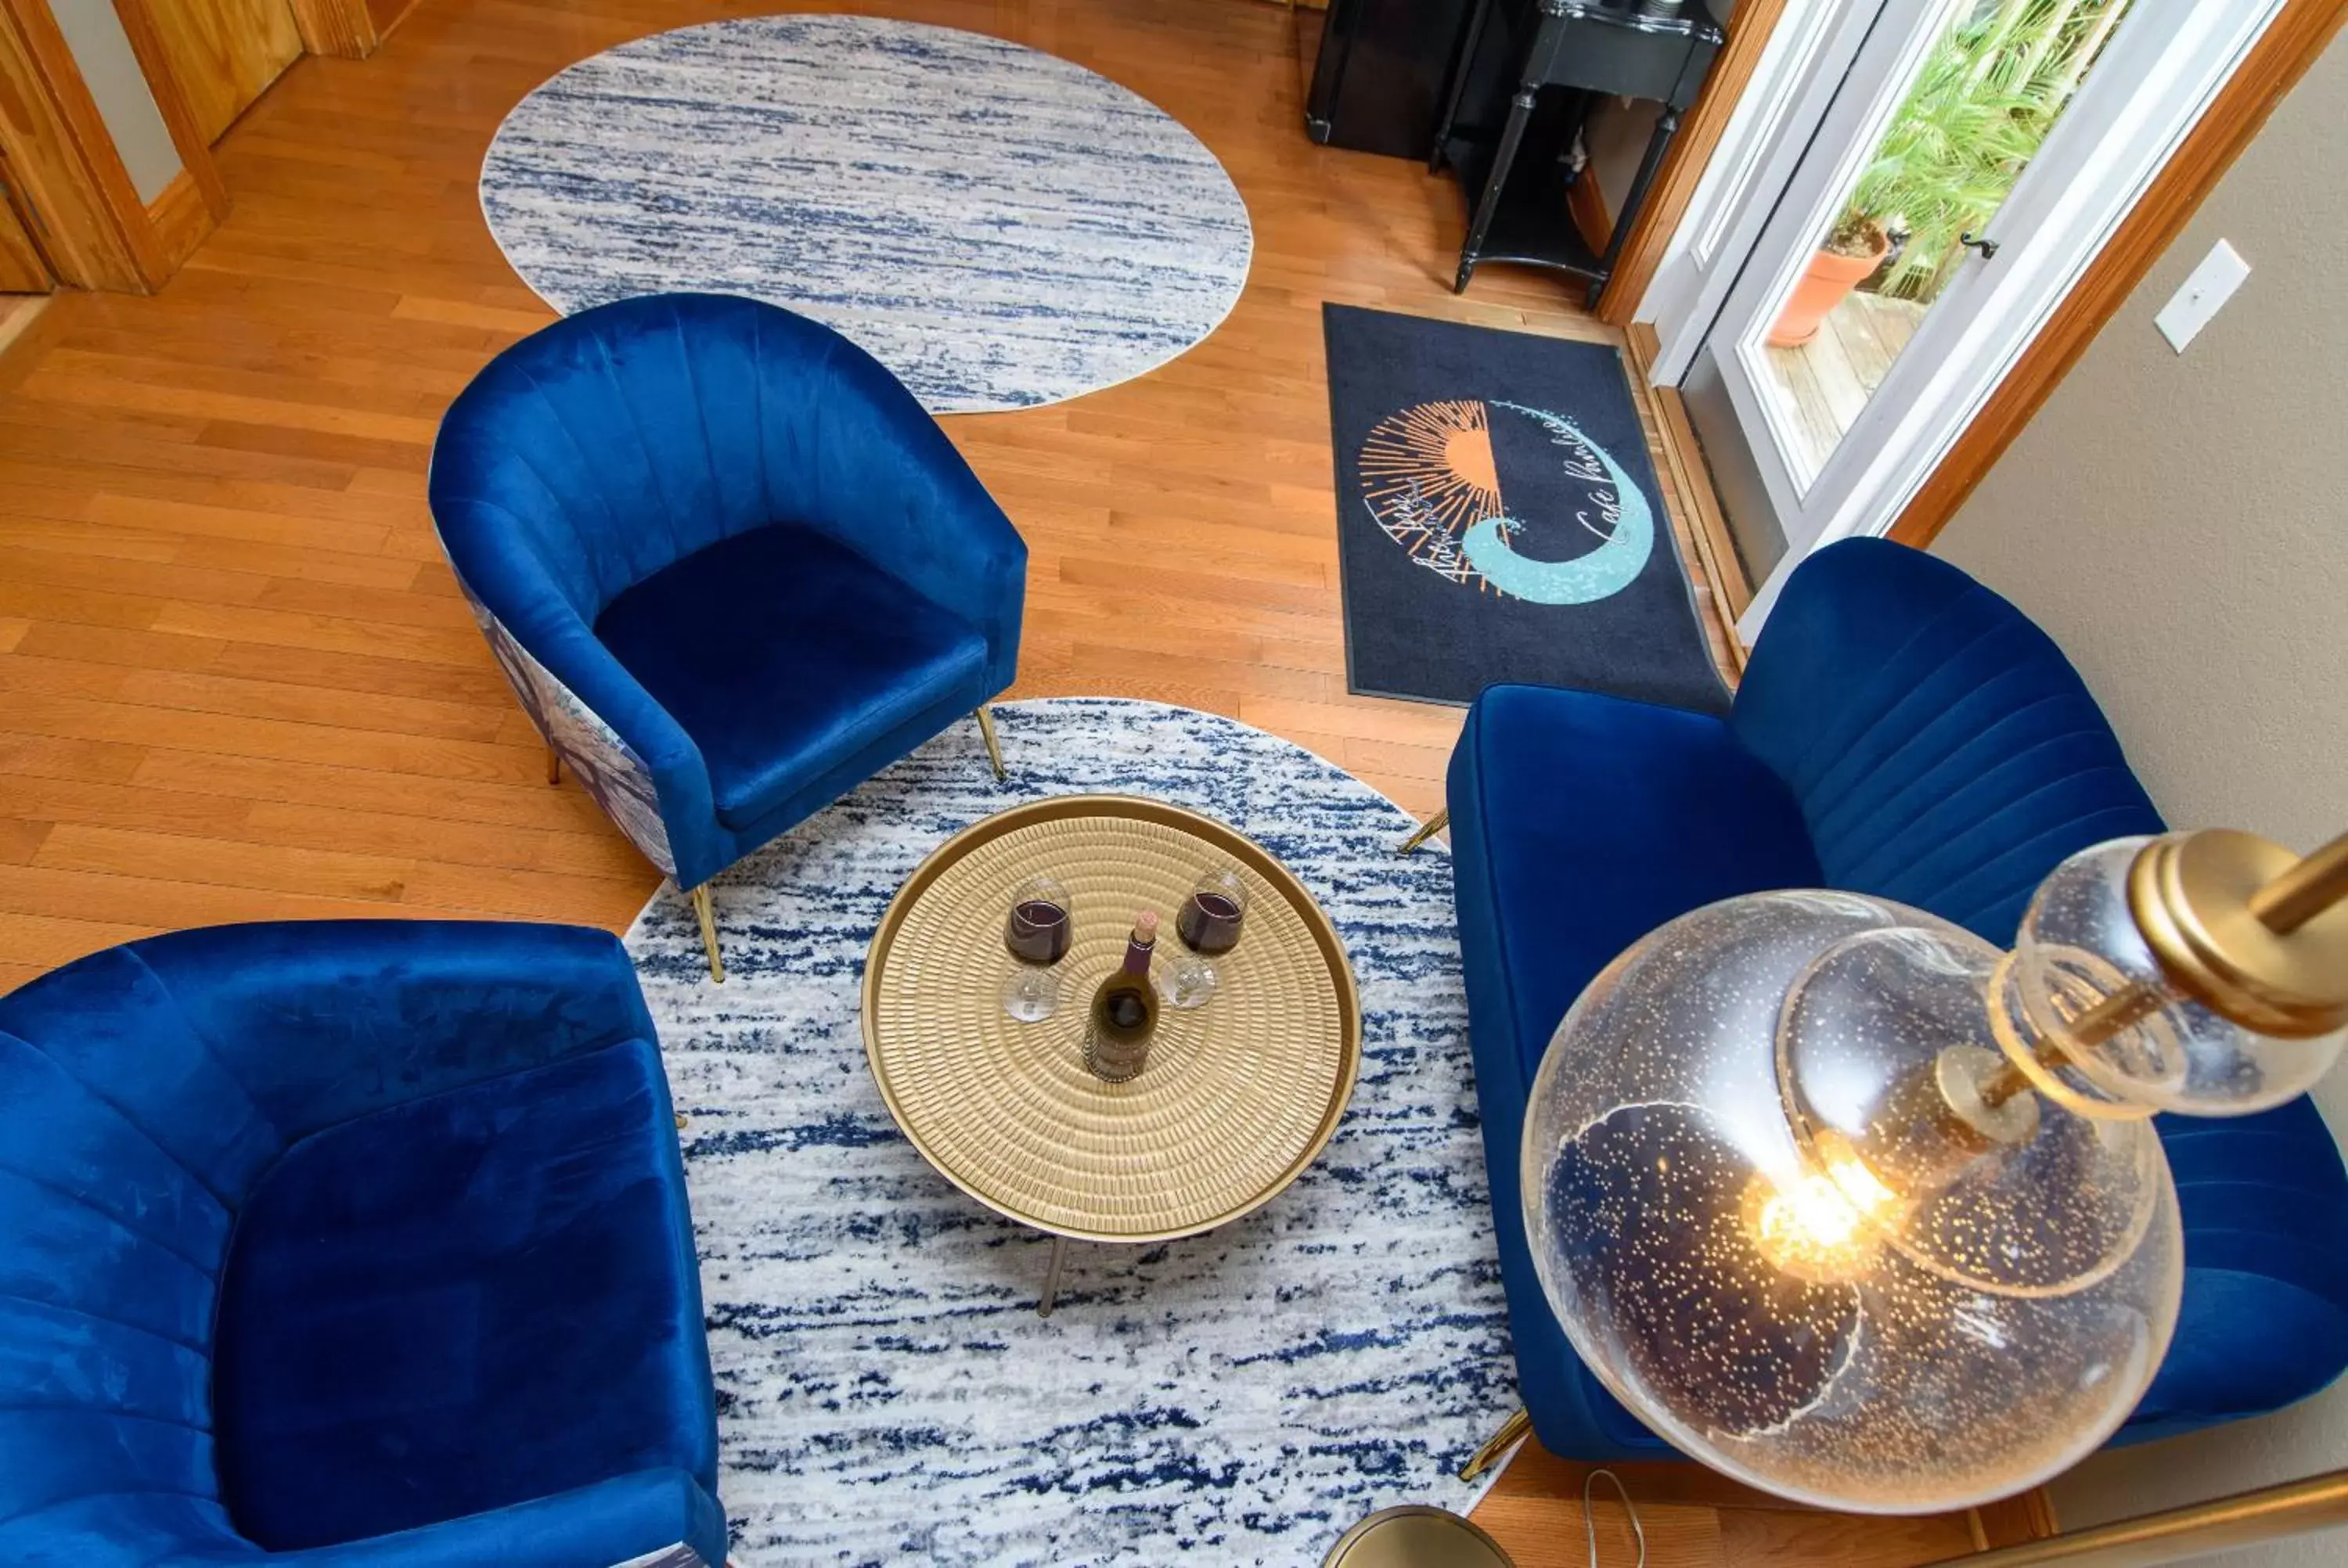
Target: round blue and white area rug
[999,227]
[887,1393]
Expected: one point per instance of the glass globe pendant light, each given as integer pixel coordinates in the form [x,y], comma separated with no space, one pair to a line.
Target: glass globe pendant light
[1857,1208]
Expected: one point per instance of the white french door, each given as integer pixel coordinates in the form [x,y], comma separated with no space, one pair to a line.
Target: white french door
[1801,463]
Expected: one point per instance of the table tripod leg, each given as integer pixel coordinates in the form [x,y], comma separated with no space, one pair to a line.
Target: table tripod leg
[1052,1277]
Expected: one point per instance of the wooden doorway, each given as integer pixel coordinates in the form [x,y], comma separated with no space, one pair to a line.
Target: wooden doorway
[225,53]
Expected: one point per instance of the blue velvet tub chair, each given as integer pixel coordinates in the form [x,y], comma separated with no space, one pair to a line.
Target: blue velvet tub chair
[731,567]
[1903,732]
[349,1244]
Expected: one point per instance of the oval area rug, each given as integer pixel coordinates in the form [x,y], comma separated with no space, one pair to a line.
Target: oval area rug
[1000,227]
[886,1391]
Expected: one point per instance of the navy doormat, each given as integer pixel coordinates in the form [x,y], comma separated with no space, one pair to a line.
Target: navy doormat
[1498,519]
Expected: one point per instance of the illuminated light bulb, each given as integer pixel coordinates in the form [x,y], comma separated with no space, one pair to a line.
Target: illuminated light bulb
[1856,1208]
[1823,1226]
[1766,1232]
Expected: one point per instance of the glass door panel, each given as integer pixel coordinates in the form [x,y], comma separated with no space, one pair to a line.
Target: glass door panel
[1993,81]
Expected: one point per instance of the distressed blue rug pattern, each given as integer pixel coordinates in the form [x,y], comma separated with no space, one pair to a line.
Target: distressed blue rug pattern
[999,227]
[886,1392]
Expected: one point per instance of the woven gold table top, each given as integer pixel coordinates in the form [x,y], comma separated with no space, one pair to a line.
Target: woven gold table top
[1239,1095]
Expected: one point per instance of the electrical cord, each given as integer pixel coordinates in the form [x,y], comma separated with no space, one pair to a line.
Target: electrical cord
[1590,1516]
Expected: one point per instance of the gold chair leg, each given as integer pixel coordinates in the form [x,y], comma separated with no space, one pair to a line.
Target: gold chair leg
[708,918]
[553,764]
[993,746]
[1513,1431]
[1434,825]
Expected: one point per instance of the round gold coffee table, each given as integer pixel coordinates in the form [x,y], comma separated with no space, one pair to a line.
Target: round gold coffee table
[1239,1095]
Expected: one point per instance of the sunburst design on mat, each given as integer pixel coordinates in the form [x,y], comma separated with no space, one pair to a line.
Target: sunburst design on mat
[1428,474]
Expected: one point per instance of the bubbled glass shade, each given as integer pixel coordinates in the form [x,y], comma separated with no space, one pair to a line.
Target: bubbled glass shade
[2079,944]
[1795,1211]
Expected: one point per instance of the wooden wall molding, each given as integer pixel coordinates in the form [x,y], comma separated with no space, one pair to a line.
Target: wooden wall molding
[181,219]
[345,28]
[1700,132]
[2291,44]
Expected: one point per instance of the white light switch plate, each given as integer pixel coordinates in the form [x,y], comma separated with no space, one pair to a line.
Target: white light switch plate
[2197,300]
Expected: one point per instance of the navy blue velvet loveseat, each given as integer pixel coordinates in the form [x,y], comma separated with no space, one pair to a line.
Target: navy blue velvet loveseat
[1901,731]
[347,1245]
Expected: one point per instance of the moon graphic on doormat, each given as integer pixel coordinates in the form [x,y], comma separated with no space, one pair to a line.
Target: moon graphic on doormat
[1431,477]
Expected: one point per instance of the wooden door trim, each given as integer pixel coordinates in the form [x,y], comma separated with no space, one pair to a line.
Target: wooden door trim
[24,254]
[84,213]
[155,62]
[1699,135]
[2292,40]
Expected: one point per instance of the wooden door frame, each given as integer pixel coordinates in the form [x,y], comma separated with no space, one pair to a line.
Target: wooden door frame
[78,196]
[178,117]
[1691,153]
[2280,56]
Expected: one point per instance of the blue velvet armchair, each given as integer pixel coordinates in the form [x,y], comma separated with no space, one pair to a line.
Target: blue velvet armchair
[1902,732]
[348,1246]
[730,565]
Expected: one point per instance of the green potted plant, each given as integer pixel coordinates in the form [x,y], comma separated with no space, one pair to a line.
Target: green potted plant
[1983,102]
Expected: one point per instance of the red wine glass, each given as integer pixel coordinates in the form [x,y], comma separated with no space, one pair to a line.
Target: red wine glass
[1210,926]
[1036,933]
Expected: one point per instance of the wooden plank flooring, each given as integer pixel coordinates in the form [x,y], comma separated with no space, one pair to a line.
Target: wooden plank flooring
[236,681]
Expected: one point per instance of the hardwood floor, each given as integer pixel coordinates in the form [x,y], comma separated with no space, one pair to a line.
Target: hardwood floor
[236,680]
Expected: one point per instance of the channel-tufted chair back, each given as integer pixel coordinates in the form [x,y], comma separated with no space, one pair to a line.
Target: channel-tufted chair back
[1942,750]
[627,437]
[148,1094]
[122,1206]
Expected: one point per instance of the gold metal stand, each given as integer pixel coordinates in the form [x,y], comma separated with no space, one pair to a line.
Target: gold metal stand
[1434,824]
[1514,1429]
[993,746]
[553,764]
[2269,1513]
[1052,1277]
[708,918]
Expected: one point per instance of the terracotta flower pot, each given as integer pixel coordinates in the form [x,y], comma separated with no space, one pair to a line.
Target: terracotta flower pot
[1826,281]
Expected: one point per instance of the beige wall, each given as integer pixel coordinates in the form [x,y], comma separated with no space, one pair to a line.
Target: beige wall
[2180,525]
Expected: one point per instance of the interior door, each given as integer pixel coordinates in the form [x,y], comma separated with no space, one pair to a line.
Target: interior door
[1822,401]
[225,53]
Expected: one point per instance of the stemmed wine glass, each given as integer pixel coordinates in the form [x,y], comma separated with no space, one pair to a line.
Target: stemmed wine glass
[1036,933]
[1208,925]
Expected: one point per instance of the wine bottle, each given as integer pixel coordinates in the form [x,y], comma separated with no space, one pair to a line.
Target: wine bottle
[1125,1009]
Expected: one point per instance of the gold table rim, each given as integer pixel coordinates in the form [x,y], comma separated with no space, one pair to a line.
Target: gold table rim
[1349,1544]
[1229,839]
